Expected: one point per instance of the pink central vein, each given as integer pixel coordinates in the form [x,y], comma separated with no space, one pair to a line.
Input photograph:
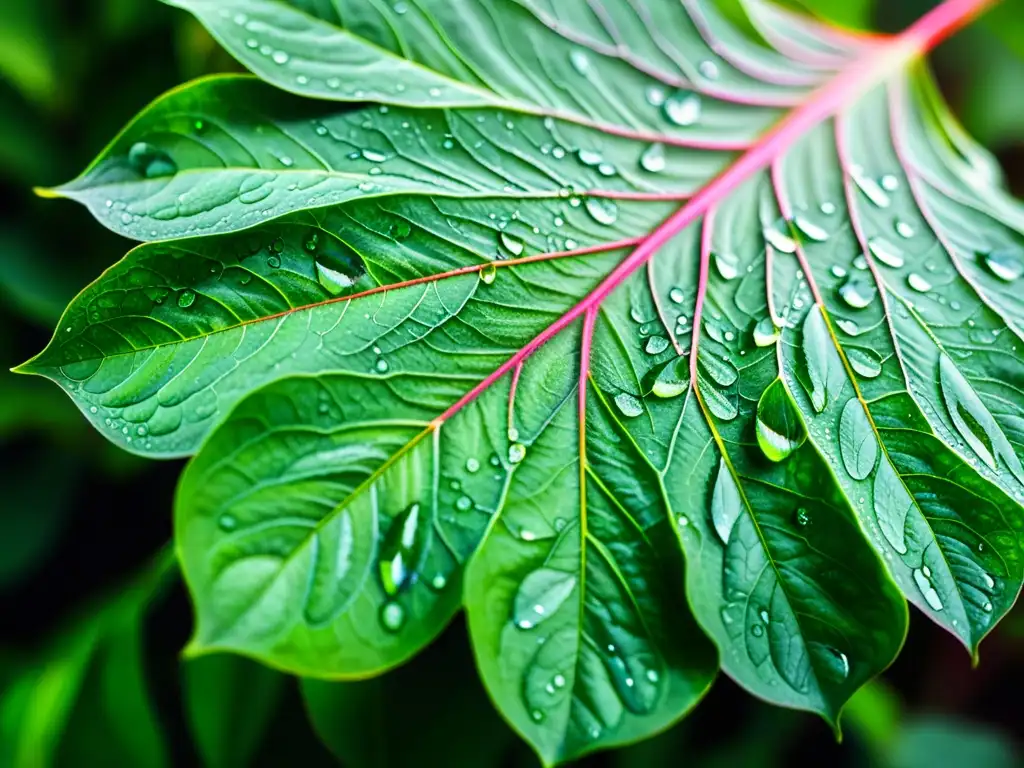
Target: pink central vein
[846,87]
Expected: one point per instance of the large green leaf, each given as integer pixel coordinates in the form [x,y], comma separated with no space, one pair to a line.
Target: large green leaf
[454,348]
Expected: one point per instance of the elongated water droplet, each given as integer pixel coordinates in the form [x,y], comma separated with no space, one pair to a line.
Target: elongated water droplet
[726,502]
[653,158]
[918,283]
[778,237]
[727,265]
[628,405]
[810,230]
[402,549]
[1004,265]
[580,61]
[870,188]
[720,405]
[186,298]
[672,380]
[540,596]
[227,522]
[817,344]
[683,108]
[865,362]
[488,273]
[722,372]
[150,162]
[931,596]
[905,230]
[656,345]
[885,252]
[892,504]
[779,428]
[392,616]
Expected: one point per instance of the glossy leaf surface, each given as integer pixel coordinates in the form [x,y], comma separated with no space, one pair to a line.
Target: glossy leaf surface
[559,310]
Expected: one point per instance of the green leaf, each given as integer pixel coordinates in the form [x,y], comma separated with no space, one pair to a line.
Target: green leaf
[230,701]
[454,349]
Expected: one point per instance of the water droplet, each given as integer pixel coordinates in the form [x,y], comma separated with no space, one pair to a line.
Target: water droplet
[931,596]
[227,522]
[810,230]
[516,453]
[392,616]
[726,502]
[472,465]
[511,244]
[757,630]
[1004,265]
[338,267]
[870,187]
[628,405]
[540,596]
[537,716]
[186,298]
[676,296]
[682,108]
[865,362]
[280,57]
[656,345]
[778,239]
[857,293]
[150,162]
[602,211]
[890,183]
[803,518]
[727,264]
[828,208]
[488,273]
[816,346]
[439,582]
[904,230]
[990,583]
[273,262]
[918,283]
[464,504]
[672,380]
[653,158]
[708,69]
[765,332]
[779,428]
[857,444]
[580,61]
[885,252]
[401,549]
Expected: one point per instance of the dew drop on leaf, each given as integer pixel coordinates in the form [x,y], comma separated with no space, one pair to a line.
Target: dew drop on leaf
[871,189]
[765,332]
[778,237]
[628,405]
[602,211]
[227,522]
[864,362]
[1004,265]
[857,293]
[892,503]
[392,616]
[672,380]
[857,444]
[885,252]
[918,282]
[540,595]
[817,342]
[515,247]
[810,230]
[727,265]
[401,549]
[150,162]
[779,428]
[904,230]
[186,298]
[682,109]
[653,158]
[580,61]
[516,453]
[488,273]
[655,96]
[726,502]
[931,595]
[656,345]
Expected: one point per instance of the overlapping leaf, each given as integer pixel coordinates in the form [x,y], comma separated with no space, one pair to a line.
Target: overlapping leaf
[439,351]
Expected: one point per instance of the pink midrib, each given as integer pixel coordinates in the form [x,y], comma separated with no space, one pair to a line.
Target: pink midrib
[858,78]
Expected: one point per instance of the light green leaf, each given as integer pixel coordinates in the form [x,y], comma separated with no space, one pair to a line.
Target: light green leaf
[457,350]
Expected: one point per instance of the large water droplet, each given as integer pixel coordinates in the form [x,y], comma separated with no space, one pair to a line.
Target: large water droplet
[931,596]
[656,345]
[488,272]
[726,502]
[540,595]
[857,292]
[515,247]
[402,549]
[628,405]
[672,380]
[1004,265]
[719,404]
[338,267]
[892,503]
[817,345]
[150,161]
[727,265]
[683,108]
[602,211]
[765,332]
[918,282]
[778,237]
[865,362]
[779,428]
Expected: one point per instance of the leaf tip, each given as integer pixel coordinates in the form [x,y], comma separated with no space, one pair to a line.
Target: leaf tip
[194,650]
[48,193]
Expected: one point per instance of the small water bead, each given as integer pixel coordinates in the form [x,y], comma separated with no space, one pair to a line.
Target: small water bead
[516,453]
[905,230]
[838,271]
[885,252]
[602,211]
[382,366]
[683,521]
[918,283]
[727,265]
[890,183]
[488,273]
[653,158]
[186,298]
[464,504]
[628,405]
[537,716]
[280,57]
[655,95]
[580,61]
[392,616]
[757,630]
[765,333]
[828,208]
[558,681]
[472,465]
[439,582]
[590,157]
[860,263]
[987,607]
[682,109]
[227,522]
[273,262]
[513,435]
[708,69]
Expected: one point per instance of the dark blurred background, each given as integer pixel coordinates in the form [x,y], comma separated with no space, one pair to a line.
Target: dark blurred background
[89,672]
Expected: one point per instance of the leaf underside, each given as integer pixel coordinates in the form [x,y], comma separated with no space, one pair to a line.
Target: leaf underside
[439,340]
